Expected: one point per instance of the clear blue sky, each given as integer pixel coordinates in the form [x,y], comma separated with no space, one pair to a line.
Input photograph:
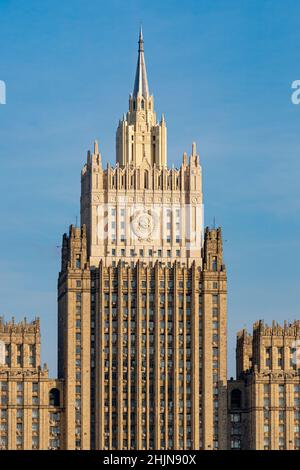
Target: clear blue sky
[221,71]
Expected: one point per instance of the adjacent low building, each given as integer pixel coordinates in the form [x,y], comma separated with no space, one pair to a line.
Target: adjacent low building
[263,403]
[30,402]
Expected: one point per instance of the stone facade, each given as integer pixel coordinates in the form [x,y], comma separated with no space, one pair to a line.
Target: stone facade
[30,402]
[142,350]
[263,403]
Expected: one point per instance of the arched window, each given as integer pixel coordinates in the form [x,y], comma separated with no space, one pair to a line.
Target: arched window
[236,398]
[143,104]
[134,105]
[54,397]
[146,180]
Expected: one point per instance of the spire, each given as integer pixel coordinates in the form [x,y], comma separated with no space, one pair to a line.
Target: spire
[96,147]
[141,82]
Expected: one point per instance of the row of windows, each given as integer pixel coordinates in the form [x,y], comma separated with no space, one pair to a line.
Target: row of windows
[270,360]
[20,386]
[144,253]
[152,283]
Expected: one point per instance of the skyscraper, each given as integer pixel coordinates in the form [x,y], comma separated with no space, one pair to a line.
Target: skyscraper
[142,298]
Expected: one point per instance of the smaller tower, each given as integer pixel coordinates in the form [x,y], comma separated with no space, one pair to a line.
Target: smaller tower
[74,336]
[243,352]
[214,328]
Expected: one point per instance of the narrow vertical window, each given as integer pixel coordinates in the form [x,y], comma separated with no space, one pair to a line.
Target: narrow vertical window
[78,261]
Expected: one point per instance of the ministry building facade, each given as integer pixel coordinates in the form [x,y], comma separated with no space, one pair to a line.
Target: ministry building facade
[142,320]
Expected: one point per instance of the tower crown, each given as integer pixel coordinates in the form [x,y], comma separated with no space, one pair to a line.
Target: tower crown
[140,139]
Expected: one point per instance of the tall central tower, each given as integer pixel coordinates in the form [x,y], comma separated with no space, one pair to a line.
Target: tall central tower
[142,298]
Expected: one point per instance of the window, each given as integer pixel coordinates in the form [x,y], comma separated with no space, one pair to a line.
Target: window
[266,389]
[54,443]
[19,400]
[281,443]
[31,361]
[20,427]
[3,386]
[54,397]
[215,312]
[35,400]
[266,402]
[35,442]
[78,261]
[236,398]
[3,442]
[235,444]
[235,417]
[266,428]
[7,354]
[266,443]
[19,354]
[281,429]
[268,357]
[280,357]
[35,427]
[214,263]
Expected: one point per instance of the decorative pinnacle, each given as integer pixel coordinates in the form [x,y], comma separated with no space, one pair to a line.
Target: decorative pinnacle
[194,151]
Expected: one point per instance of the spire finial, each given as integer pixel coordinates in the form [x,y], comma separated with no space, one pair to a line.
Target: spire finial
[141,40]
[141,81]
